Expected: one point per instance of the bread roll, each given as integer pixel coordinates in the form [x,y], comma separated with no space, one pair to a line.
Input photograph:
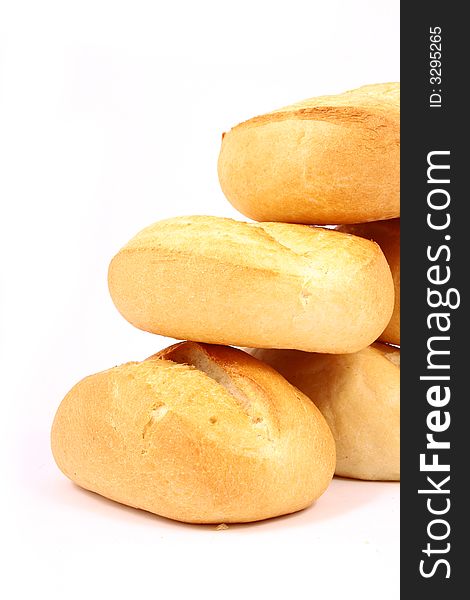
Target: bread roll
[333,159]
[274,285]
[359,396]
[196,433]
[387,236]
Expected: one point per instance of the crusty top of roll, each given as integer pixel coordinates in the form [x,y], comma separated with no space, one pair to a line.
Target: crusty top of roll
[261,245]
[196,433]
[382,98]
[274,285]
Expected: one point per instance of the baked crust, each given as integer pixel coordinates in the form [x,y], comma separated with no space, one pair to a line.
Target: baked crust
[327,160]
[273,285]
[196,433]
[387,235]
[359,396]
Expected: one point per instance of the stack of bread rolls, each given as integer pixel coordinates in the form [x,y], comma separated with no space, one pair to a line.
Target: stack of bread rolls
[206,433]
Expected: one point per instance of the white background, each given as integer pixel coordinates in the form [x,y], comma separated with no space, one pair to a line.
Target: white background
[111,116]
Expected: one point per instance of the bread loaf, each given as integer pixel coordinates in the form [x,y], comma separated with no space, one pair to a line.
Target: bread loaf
[196,433]
[274,285]
[359,396]
[387,235]
[326,160]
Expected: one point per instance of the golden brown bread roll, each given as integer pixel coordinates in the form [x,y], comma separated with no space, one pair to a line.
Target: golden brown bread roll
[387,236]
[359,396]
[326,160]
[273,285]
[196,433]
